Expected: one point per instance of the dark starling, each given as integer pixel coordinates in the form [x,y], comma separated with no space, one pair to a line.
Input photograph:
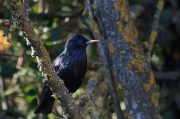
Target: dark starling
[70,66]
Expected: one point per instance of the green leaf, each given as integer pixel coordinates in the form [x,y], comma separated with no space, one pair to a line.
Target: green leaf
[48,43]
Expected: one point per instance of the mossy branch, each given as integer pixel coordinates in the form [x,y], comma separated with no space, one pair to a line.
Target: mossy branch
[85,101]
[108,106]
[95,79]
[20,16]
[8,24]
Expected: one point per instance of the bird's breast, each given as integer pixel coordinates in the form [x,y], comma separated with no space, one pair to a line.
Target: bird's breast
[72,69]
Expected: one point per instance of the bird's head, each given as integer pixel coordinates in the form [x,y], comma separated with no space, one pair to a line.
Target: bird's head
[78,41]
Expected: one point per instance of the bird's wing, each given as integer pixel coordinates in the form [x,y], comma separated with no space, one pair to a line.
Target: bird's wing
[57,62]
[67,69]
[64,64]
[71,70]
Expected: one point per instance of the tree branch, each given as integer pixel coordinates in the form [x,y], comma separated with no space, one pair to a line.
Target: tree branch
[125,55]
[95,79]
[108,106]
[111,82]
[8,24]
[19,13]
[85,100]
[94,27]
[153,35]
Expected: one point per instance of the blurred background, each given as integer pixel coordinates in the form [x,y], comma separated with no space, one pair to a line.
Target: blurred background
[57,20]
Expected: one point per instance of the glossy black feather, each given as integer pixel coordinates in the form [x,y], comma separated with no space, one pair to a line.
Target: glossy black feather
[70,66]
[45,107]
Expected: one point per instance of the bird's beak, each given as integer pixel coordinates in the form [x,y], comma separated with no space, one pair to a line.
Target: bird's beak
[91,41]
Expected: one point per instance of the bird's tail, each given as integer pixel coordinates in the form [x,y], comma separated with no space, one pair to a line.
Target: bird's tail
[47,101]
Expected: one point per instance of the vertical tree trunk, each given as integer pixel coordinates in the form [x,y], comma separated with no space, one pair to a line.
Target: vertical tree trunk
[126,56]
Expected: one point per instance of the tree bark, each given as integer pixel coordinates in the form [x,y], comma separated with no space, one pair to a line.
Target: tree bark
[132,68]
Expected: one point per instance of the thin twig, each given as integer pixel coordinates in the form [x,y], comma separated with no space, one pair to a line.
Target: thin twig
[157,15]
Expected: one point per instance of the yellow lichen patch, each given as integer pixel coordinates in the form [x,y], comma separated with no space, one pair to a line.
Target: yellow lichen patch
[138,61]
[152,39]
[111,48]
[153,36]
[130,33]
[137,55]
[119,25]
[151,79]
[137,64]
[128,116]
[154,98]
[160,4]
[122,52]
[126,27]
[146,87]
[125,23]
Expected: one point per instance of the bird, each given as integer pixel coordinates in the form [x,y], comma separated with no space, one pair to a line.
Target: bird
[70,66]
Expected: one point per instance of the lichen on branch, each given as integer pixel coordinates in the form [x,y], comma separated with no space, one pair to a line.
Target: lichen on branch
[153,34]
[20,16]
[125,23]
